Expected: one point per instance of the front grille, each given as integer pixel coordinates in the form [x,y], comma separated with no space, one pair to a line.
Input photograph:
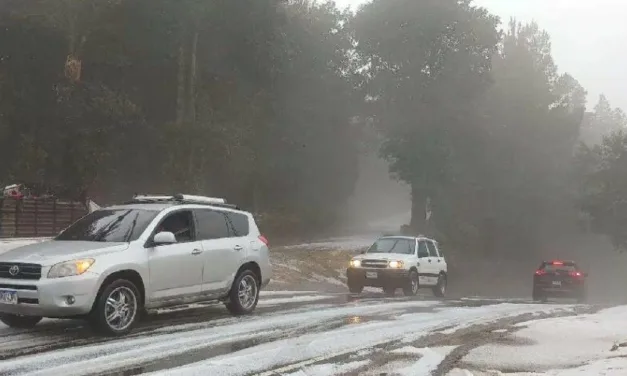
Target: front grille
[18,287]
[25,271]
[374,264]
[27,301]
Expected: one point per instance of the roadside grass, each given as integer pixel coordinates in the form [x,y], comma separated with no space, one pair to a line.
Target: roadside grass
[297,266]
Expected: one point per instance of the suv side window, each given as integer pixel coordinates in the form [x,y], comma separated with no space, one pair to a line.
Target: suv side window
[422,249]
[433,252]
[179,223]
[212,224]
[238,223]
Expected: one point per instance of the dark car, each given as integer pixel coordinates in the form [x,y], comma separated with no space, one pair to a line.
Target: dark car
[559,279]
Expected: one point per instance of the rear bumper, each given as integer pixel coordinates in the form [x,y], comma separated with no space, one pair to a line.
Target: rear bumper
[49,297]
[385,277]
[567,291]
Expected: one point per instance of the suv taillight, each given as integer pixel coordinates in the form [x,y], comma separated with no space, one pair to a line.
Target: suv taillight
[263,239]
[540,272]
[576,274]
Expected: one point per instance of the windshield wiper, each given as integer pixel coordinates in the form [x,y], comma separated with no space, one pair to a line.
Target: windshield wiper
[129,233]
[99,236]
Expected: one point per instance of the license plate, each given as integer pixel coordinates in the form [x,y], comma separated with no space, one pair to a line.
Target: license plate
[8,297]
[371,275]
[557,283]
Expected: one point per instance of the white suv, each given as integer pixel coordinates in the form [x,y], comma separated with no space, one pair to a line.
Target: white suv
[403,262]
[151,252]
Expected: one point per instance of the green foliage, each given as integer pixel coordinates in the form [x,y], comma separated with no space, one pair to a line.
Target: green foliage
[428,66]
[603,187]
[248,99]
[270,103]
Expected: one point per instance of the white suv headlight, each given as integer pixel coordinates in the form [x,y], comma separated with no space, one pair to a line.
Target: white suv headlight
[70,268]
[396,264]
[355,263]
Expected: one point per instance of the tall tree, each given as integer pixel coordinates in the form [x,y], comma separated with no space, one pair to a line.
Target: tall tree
[533,116]
[604,186]
[602,122]
[428,64]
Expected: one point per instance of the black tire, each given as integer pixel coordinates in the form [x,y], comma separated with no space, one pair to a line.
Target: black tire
[412,286]
[538,296]
[355,288]
[389,291]
[98,316]
[248,283]
[19,322]
[439,290]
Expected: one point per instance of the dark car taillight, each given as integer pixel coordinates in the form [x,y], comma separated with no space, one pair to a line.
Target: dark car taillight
[576,274]
[540,272]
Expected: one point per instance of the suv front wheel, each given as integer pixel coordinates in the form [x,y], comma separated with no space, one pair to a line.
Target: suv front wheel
[412,284]
[117,308]
[244,294]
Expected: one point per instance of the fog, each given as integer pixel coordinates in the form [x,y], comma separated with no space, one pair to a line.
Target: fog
[440,116]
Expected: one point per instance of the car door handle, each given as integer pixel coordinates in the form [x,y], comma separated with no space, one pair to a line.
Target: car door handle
[429,260]
[439,260]
[196,252]
[238,248]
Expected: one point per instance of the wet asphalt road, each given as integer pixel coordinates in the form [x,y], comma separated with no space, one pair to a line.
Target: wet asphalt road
[306,327]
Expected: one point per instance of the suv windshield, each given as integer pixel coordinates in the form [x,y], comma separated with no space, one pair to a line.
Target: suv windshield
[107,225]
[393,245]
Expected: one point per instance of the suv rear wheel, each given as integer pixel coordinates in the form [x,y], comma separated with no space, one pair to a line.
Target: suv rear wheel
[244,294]
[439,290]
[19,321]
[117,308]
[538,296]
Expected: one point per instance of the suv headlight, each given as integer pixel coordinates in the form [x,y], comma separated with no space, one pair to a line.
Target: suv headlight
[355,263]
[395,264]
[70,268]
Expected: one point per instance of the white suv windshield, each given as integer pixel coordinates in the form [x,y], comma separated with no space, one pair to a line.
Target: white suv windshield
[393,245]
[119,225]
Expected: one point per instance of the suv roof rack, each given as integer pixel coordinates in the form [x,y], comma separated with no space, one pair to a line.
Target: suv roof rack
[181,199]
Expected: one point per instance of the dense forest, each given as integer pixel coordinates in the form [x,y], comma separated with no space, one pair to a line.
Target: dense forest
[270,103]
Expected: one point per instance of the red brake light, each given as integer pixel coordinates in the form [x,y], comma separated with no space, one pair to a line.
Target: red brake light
[540,272]
[557,262]
[576,274]
[263,239]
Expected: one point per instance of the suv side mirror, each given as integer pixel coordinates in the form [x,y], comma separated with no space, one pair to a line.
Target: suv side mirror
[362,252]
[163,238]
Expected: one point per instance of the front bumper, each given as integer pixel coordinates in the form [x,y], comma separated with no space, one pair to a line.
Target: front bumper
[49,297]
[385,277]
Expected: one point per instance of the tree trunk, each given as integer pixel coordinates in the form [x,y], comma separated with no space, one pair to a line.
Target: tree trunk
[191,84]
[180,94]
[418,223]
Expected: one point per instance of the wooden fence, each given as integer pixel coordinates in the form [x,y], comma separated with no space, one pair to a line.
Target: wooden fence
[28,218]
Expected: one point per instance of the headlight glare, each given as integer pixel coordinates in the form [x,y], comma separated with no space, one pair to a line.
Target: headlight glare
[396,264]
[355,263]
[70,268]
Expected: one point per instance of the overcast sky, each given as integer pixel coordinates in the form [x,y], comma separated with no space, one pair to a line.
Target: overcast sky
[589,39]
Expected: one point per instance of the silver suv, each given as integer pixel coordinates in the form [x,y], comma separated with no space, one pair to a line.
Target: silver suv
[151,252]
